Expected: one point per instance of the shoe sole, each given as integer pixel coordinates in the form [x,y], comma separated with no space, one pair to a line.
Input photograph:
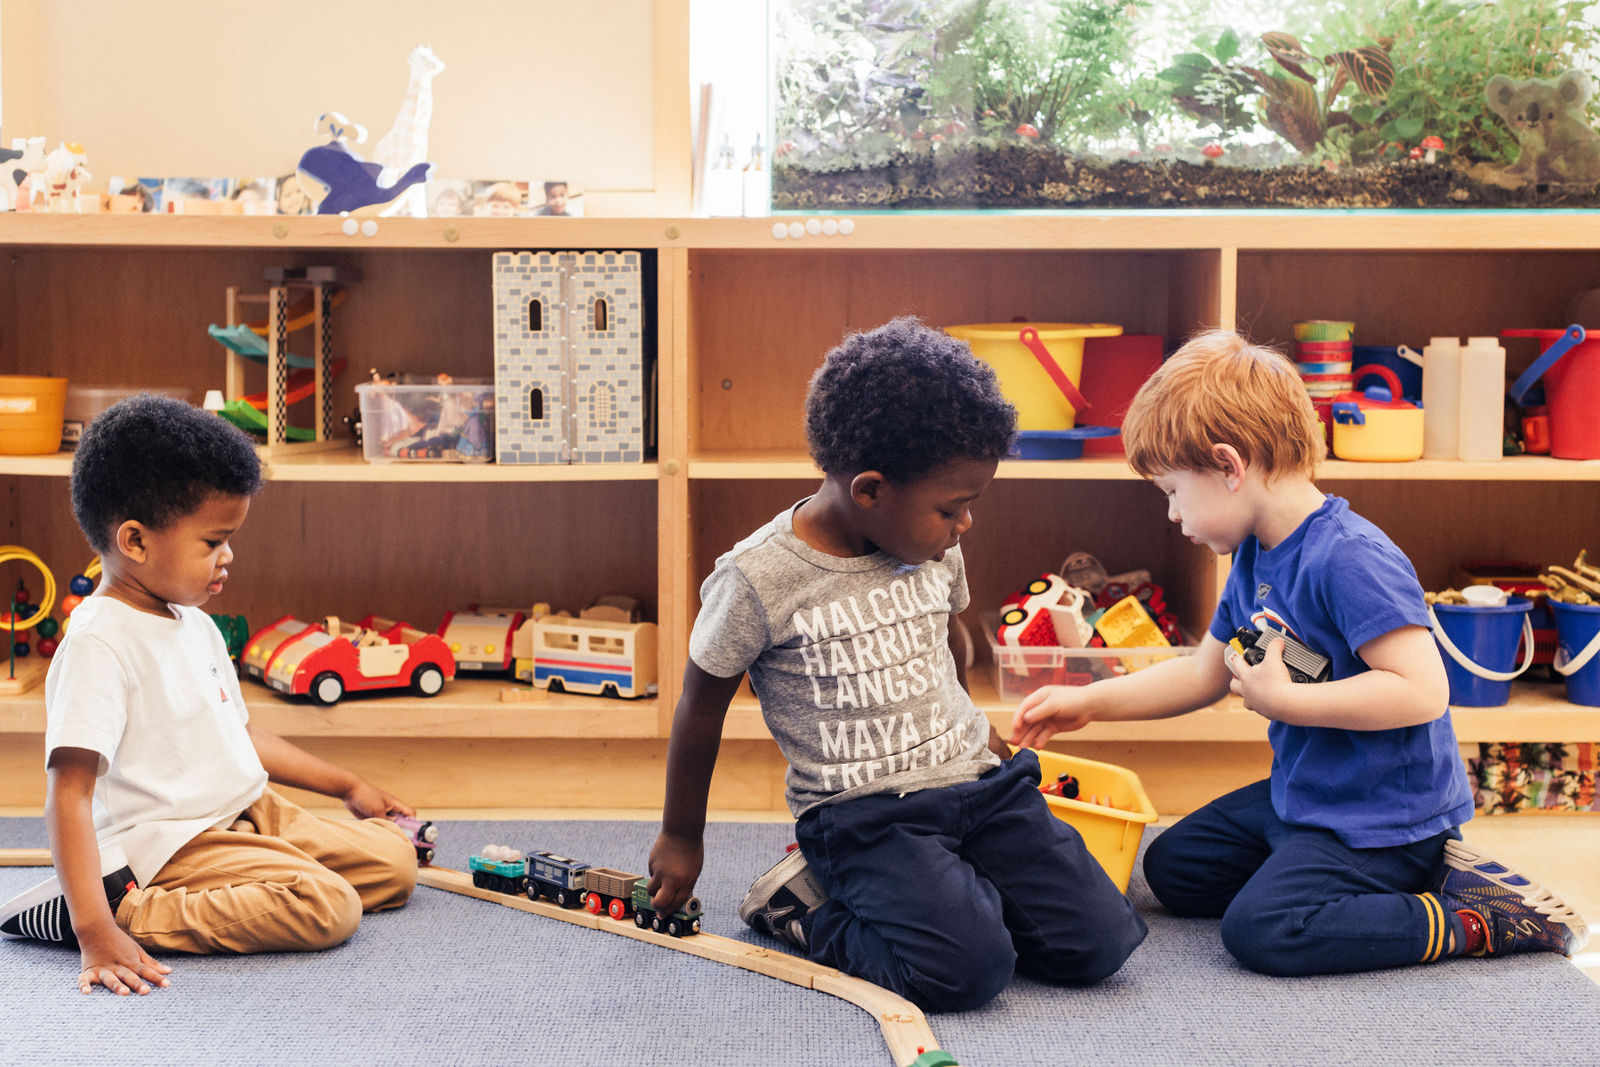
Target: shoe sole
[46,890]
[1460,856]
[780,874]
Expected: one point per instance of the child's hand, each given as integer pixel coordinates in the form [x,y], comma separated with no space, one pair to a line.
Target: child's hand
[1048,711]
[367,801]
[1261,685]
[675,863]
[111,958]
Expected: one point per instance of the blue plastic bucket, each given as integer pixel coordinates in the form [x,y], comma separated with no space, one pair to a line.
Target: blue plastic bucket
[1403,360]
[1480,649]
[1578,654]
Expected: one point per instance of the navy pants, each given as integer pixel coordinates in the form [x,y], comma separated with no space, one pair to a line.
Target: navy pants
[1296,900]
[942,894]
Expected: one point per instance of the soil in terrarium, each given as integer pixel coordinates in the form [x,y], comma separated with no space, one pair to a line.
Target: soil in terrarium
[962,104]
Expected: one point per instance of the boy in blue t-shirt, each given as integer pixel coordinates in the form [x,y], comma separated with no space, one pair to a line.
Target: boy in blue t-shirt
[1348,858]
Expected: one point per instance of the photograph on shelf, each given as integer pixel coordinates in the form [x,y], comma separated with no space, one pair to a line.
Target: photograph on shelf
[185,196]
[136,194]
[499,199]
[562,199]
[292,199]
[449,198]
[256,196]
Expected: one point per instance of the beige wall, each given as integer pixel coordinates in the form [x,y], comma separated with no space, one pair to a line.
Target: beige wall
[532,89]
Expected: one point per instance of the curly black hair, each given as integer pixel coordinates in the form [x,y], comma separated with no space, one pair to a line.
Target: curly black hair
[902,400]
[155,459]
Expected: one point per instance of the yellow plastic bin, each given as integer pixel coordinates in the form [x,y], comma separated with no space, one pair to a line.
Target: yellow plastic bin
[1112,833]
[30,414]
[1040,401]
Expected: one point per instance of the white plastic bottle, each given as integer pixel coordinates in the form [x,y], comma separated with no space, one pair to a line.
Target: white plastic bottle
[1482,404]
[1441,398]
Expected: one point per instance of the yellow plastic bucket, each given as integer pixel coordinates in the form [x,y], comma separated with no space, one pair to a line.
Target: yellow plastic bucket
[1111,829]
[1014,350]
[31,410]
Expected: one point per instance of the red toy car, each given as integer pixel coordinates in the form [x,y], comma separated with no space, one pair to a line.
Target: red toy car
[326,661]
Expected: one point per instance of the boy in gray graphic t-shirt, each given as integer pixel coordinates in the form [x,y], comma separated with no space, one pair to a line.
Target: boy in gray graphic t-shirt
[928,861]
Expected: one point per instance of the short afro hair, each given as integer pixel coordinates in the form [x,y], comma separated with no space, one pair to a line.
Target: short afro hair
[154,459]
[903,400]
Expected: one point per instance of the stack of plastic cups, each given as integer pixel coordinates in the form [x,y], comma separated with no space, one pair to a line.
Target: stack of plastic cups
[1322,354]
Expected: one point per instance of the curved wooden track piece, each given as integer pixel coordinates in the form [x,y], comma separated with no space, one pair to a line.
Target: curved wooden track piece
[24,857]
[904,1027]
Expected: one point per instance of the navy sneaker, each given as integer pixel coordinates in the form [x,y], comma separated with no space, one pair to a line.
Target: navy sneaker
[40,913]
[1520,915]
[781,898]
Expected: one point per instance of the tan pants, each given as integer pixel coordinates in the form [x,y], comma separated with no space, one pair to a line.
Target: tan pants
[280,879]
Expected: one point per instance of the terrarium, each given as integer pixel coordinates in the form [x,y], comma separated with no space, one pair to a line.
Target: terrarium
[962,104]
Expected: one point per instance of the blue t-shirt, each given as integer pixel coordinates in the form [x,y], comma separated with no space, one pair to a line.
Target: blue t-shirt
[1335,583]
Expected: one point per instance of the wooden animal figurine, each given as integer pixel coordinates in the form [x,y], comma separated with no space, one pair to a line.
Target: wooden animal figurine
[60,181]
[24,157]
[406,143]
[338,180]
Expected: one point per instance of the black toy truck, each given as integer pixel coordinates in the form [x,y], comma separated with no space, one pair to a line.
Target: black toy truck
[1304,665]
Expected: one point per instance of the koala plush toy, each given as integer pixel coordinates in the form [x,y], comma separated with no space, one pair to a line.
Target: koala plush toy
[1548,118]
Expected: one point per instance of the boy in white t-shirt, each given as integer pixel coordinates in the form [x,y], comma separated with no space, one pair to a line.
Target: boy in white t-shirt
[164,833]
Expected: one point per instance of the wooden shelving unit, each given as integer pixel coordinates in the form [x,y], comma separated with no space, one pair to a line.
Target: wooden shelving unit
[742,320]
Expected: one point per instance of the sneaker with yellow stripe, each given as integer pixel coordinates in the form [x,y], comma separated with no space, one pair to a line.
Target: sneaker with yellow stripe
[1518,914]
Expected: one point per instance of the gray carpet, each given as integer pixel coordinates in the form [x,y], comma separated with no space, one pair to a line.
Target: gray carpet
[451,980]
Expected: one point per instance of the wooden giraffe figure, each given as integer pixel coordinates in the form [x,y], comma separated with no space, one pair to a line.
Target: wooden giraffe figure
[406,143]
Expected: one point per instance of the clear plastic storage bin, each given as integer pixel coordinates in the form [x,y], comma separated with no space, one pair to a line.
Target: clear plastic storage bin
[430,423]
[1019,671]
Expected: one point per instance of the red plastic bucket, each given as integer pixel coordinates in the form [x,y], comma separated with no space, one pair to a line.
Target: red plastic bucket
[1570,364]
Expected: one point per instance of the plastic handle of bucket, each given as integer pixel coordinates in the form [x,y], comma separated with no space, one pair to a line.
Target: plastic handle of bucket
[1410,355]
[1483,672]
[1390,378]
[1567,667]
[1030,337]
[1574,335]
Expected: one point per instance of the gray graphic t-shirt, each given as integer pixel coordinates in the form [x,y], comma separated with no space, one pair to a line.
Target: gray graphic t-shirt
[850,659]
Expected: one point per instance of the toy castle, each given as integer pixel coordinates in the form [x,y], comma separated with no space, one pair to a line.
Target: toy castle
[572,377]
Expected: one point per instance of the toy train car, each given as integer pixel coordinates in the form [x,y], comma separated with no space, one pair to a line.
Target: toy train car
[421,833]
[598,656]
[501,869]
[1304,665]
[569,882]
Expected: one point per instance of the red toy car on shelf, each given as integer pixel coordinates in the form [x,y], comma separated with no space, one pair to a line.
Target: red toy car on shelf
[325,661]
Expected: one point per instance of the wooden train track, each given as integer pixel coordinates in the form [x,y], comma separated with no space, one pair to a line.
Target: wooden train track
[905,1028]
[24,857]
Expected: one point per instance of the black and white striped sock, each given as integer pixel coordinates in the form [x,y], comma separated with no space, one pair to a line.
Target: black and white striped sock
[46,922]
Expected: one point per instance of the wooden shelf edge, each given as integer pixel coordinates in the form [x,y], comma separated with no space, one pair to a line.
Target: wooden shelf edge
[467,708]
[347,465]
[712,466]
[1117,232]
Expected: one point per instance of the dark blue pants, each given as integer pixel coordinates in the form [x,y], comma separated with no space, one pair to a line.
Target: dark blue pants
[1295,900]
[940,895]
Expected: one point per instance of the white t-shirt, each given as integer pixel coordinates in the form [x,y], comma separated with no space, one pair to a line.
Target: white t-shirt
[158,699]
